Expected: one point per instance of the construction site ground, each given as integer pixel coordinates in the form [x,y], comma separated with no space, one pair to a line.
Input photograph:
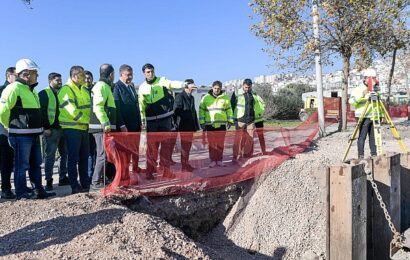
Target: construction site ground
[279,215]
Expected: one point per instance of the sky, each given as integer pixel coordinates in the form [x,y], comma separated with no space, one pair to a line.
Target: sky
[204,40]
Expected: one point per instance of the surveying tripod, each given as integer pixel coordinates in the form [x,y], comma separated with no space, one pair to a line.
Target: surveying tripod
[378,109]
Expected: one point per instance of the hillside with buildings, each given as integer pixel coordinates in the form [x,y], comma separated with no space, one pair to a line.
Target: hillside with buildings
[333,81]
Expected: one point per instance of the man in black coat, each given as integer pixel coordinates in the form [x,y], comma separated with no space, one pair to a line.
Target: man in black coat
[128,111]
[6,152]
[186,121]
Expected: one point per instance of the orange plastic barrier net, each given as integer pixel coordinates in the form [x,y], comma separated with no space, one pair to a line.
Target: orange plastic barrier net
[142,170]
[139,179]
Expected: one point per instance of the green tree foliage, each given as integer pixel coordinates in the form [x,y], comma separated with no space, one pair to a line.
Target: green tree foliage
[346,28]
[286,104]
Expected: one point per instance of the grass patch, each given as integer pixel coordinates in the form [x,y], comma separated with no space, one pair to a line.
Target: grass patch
[282,123]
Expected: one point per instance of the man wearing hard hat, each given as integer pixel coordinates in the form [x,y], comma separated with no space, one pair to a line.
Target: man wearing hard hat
[358,99]
[20,114]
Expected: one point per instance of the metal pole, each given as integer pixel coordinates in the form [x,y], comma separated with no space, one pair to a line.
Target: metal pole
[320,109]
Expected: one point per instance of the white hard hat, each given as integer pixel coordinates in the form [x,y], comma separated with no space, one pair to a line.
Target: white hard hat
[25,64]
[370,72]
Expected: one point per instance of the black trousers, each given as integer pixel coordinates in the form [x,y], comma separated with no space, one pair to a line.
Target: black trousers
[186,144]
[158,142]
[6,163]
[216,141]
[366,128]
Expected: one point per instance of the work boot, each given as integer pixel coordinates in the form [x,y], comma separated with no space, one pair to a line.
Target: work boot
[25,196]
[7,195]
[220,164]
[188,168]
[64,181]
[96,187]
[149,176]
[212,164]
[49,185]
[42,194]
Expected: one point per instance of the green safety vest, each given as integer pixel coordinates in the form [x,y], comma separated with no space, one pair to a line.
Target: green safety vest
[358,100]
[75,107]
[258,107]
[52,105]
[215,111]
[104,110]
[20,109]
[153,99]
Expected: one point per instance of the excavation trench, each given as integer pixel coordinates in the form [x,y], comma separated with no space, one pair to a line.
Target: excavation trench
[196,214]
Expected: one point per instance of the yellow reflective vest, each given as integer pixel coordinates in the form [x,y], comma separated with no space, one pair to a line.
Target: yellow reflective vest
[104,110]
[51,106]
[358,100]
[258,107]
[20,110]
[153,98]
[75,106]
[215,111]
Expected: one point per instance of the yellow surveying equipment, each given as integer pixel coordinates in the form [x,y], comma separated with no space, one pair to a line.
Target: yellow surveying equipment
[379,112]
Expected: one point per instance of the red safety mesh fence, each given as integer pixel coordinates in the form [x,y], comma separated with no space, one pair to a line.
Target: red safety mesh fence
[132,179]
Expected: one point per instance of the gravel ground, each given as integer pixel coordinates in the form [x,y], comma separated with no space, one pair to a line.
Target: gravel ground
[281,215]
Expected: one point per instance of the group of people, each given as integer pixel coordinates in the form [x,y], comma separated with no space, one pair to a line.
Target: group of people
[73,118]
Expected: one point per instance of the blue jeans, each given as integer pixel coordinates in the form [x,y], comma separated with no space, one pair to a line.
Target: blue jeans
[78,150]
[51,143]
[27,157]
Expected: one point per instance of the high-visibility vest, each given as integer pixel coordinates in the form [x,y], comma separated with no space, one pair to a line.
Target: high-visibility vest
[104,110]
[75,107]
[52,105]
[20,110]
[153,100]
[258,108]
[215,111]
[358,100]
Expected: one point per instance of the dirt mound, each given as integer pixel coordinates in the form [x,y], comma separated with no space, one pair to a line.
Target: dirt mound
[88,226]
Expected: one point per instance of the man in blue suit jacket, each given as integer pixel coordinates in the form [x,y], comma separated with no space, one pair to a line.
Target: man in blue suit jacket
[128,112]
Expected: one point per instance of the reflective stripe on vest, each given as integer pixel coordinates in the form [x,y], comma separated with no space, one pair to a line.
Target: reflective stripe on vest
[100,127]
[25,131]
[160,116]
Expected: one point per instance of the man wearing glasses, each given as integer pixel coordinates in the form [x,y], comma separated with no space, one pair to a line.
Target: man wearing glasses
[20,113]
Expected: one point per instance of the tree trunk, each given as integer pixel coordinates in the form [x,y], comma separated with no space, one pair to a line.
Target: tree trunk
[393,63]
[345,86]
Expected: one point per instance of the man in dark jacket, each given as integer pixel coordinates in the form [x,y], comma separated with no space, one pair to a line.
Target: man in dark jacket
[186,121]
[128,111]
[6,152]
[53,136]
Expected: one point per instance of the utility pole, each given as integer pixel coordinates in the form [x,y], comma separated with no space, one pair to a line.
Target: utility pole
[318,62]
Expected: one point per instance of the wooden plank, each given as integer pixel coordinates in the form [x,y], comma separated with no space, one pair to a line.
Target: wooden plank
[348,207]
[327,177]
[386,173]
[405,191]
